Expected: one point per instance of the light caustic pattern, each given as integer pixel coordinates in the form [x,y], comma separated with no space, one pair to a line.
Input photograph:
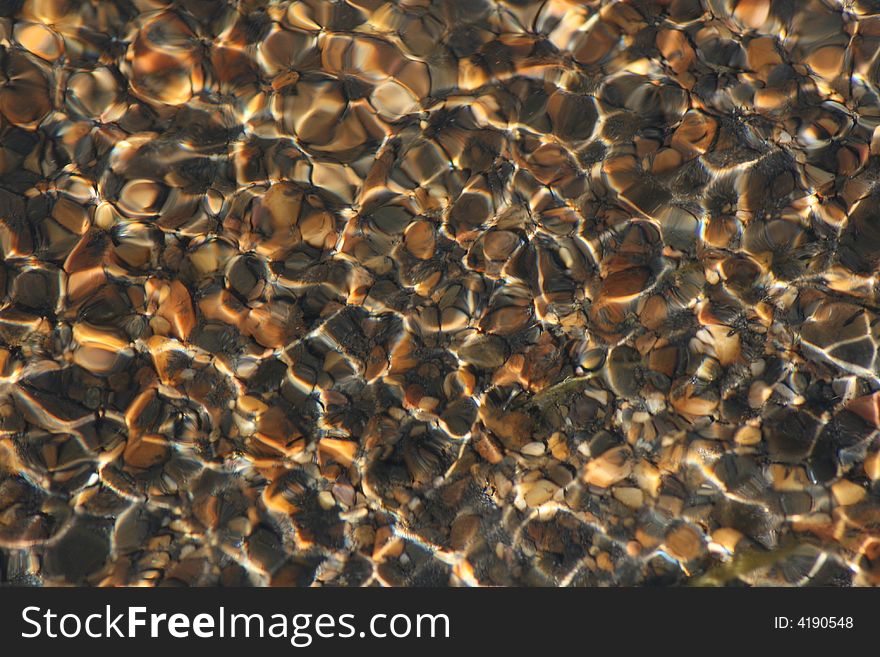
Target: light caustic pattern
[467,292]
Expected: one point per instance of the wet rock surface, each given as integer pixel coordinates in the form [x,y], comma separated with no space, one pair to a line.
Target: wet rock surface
[439,293]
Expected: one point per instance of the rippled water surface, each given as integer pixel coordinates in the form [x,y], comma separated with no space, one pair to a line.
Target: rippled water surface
[462,292]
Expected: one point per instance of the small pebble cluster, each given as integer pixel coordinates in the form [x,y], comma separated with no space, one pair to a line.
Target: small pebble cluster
[439,292]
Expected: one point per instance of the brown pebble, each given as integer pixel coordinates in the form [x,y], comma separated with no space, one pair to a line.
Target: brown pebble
[342,451]
[613,466]
[684,543]
[146,451]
